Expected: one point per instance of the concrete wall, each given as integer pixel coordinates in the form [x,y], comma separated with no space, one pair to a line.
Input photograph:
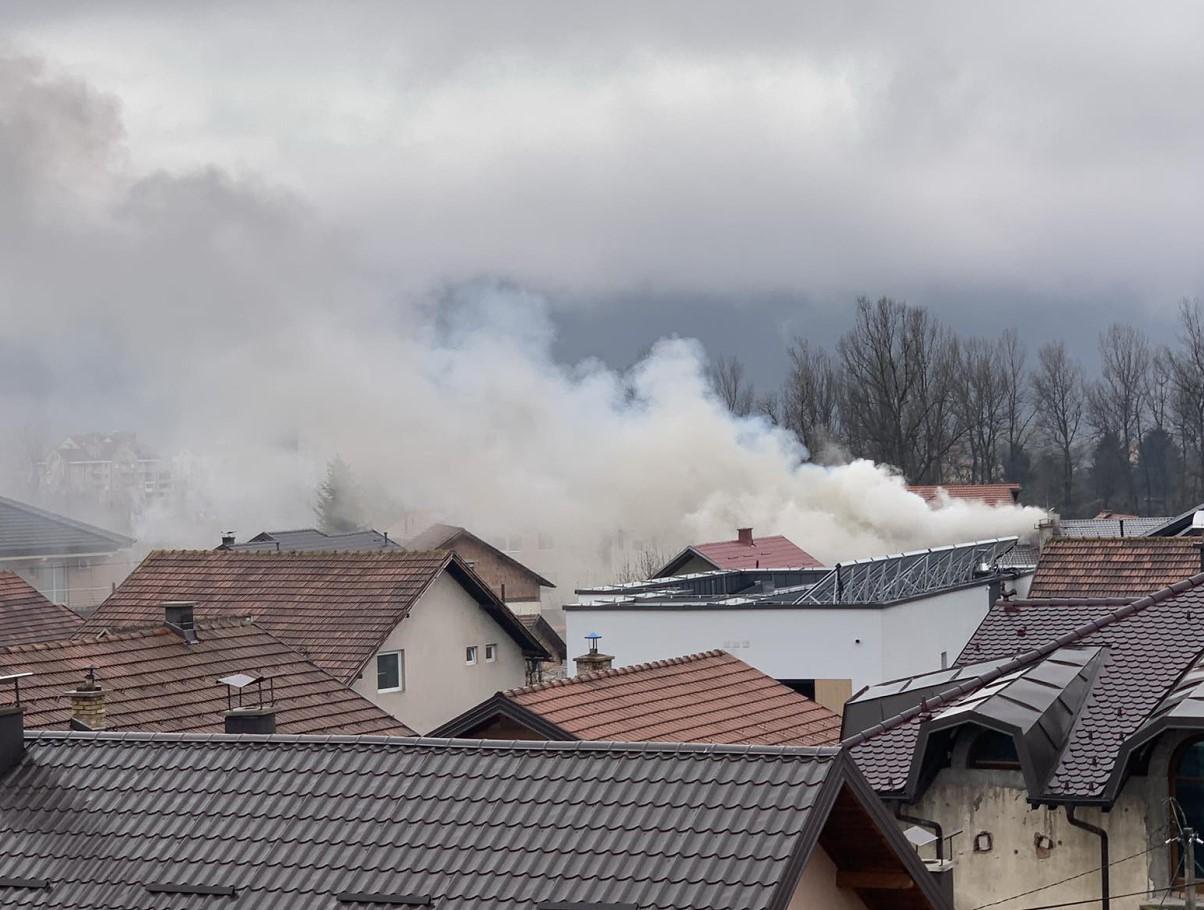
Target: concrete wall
[864,645]
[973,801]
[439,685]
[817,889]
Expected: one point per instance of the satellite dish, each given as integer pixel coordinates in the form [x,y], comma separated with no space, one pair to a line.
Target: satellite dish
[1197,521]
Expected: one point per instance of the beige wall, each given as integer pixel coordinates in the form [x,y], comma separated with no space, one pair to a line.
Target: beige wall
[976,800]
[439,685]
[80,582]
[817,889]
[833,693]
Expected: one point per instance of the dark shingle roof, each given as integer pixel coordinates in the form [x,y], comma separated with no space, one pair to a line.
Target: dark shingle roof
[292,822]
[334,608]
[155,681]
[26,616]
[26,530]
[1149,644]
[547,636]
[703,698]
[310,539]
[1112,566]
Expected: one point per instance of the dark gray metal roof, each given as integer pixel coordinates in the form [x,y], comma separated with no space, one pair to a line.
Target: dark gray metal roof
[1111,527]
[26,530]
[311,539]
[291,822]
[906,575]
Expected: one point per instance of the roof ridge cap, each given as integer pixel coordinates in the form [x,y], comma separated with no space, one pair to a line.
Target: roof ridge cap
[1023,660]
[616,671]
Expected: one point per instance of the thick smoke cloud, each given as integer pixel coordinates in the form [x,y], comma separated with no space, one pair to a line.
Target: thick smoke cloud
[222,318]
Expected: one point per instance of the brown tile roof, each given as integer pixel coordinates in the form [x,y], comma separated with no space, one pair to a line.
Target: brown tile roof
[991,494]
[155,681]
[773,552]
[703,698]
[26,616]
[444,537]
[1112,567]
[334,608]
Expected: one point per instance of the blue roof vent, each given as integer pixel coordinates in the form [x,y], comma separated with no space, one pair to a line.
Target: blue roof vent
[593,638]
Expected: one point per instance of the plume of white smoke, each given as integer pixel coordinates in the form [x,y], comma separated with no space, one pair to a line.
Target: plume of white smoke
[218,317]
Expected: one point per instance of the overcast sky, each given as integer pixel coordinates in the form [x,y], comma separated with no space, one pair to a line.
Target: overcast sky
[735,172]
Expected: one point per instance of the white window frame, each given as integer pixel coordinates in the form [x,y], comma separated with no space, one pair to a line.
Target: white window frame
[470,655]
[491,653]
[401,671]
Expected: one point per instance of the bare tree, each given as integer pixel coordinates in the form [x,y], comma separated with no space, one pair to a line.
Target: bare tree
[810,401]
[726,376]
[1117,400]
[901,368]
[982,405]
[1017,404]
[1058,398]
[1188,396]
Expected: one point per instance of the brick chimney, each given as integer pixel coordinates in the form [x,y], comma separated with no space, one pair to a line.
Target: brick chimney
[744,536]
[88,704]
[178,616]
[593,661]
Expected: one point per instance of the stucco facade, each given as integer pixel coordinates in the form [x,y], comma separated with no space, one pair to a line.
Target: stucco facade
[439,684]
[79,582]
[817,889]
[1027,848]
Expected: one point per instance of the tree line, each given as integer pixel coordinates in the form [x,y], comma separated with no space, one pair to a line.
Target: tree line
[901,388]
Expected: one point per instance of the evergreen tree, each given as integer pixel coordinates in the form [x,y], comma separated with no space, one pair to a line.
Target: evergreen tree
[339,508]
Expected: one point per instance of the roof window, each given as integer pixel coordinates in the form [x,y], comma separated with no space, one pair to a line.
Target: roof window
[993,750]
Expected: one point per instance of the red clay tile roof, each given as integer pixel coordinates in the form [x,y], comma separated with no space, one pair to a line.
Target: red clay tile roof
[1112,566]
[334,608]
[703,698]
[776,552]
[155,681]
[26,616]
[991,494]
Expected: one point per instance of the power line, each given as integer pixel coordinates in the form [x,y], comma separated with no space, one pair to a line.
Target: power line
[1095,871]
[1095,900]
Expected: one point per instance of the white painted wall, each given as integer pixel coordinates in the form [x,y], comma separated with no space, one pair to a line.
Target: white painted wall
[439,685]
[865,645]
[817,889]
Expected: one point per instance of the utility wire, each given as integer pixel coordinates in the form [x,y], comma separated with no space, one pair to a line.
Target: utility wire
[1095,871]
[1096,900]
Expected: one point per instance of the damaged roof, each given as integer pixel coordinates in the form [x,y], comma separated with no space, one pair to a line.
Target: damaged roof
[26,616]
[1112,566]
[153,680]
[1132,655]
[27,531]
[334,608]
[711,697]
[312,823]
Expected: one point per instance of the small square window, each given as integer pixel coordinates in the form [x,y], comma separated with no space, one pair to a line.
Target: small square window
[391,672]
[490,653]
[470,655]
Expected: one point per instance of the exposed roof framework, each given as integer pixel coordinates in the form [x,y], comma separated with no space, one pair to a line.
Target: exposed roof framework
[891,578]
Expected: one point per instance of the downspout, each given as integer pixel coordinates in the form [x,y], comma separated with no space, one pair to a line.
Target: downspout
[931,824]
[1103,852]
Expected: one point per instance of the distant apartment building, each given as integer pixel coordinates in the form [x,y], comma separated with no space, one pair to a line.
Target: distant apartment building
[113,475]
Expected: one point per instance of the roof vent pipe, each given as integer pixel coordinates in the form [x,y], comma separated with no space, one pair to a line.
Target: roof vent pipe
[744,536]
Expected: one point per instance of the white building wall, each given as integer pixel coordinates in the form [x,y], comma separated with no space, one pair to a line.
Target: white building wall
[866,645]
[439,685]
